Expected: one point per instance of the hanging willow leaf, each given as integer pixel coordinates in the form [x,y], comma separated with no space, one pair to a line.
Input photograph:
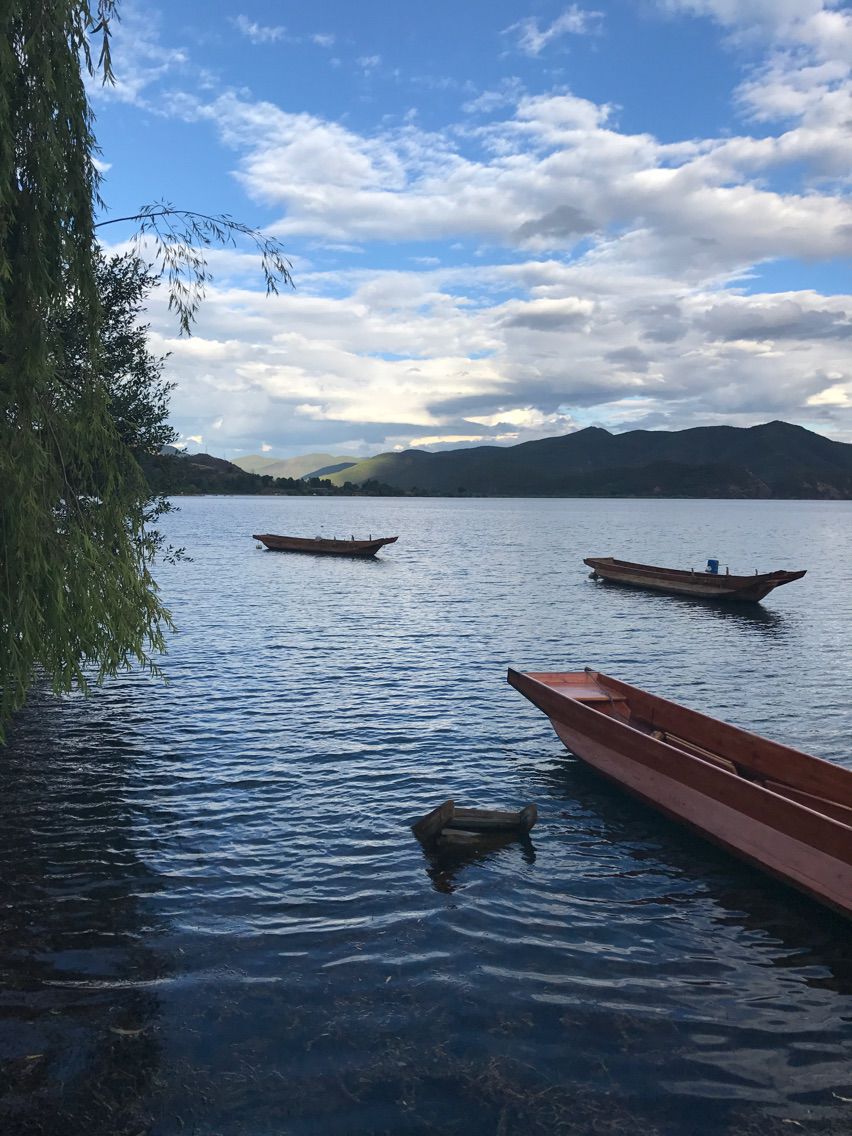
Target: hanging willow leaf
[177,235]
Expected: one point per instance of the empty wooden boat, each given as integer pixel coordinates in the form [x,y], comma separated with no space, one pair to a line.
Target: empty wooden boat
[324,546]
[782,810]
[448,824]
[701,585]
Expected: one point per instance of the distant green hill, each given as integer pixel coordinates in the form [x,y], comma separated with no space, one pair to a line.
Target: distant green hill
[773,460]
[179,473]
[307,465]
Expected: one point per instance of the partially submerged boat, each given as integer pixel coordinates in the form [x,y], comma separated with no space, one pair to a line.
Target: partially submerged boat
[783,811]
[449,825]
[702,585]
[324,546]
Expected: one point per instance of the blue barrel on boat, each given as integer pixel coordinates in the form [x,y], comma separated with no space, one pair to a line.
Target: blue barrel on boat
[713,567]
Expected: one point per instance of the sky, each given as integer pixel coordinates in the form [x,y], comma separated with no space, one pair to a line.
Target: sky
[506,219]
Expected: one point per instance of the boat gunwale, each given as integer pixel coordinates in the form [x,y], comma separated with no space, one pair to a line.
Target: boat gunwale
[757,742]
[657,755]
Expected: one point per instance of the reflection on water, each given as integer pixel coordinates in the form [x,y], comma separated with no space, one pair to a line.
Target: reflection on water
[744,614]
[214,920]
[446,864]
[78,1032]
[797,929]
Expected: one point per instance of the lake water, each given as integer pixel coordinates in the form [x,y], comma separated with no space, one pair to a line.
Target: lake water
[215,920]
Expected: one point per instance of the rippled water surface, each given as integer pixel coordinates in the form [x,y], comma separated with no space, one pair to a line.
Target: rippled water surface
[215,920]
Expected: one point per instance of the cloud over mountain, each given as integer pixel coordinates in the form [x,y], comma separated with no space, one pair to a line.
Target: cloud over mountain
[521,255]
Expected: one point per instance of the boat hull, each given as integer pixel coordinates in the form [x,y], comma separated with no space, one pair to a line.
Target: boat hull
[322,547]
[699,585]
[791,841]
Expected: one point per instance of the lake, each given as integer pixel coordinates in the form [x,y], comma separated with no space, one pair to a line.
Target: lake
[214,918]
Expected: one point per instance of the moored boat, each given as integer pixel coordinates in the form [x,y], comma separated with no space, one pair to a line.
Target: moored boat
[701,585]
[324,546]
[782,810]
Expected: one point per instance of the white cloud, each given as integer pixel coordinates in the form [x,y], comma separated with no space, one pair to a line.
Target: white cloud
[791,19]
[403,358]
[258,33]
[805,76]
[140,59]
[509,93]
[557,173]
[573,21]
[837,395]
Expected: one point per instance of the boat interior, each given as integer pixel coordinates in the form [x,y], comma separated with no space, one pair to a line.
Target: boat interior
[819,785]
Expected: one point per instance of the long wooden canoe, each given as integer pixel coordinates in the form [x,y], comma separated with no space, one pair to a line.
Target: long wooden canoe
[702,585]
[322,545]
[782,810]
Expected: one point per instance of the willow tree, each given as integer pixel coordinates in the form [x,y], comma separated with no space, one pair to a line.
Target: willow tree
[77,599]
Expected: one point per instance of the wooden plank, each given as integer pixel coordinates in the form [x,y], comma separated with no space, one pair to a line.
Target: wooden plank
[483,820]
[494,820]
[428,827]
[465,838]
[697,750]
[529,815]
[842,813]
[460,836]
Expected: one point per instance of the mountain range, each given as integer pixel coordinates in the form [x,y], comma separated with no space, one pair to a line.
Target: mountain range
[776,459]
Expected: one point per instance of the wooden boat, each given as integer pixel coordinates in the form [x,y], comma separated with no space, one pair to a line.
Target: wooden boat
[702,585]
[786,812]
[448,824]
[324,546]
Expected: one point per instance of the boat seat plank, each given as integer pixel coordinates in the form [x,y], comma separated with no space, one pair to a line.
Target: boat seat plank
[693,748]
[586,693]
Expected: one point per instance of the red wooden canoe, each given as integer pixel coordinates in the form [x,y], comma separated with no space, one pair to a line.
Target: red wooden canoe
[323,546]
[784,811]
[701,585]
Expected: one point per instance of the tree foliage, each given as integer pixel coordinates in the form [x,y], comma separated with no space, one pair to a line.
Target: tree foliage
[180,238]
[82,401]
[77,599]
[132,376]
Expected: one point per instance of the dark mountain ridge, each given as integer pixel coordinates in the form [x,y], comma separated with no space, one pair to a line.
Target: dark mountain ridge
[776,459]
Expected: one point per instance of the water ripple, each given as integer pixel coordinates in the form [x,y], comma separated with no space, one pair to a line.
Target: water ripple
[214,917]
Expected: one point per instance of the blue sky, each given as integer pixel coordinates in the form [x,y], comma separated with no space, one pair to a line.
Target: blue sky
[506,220]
